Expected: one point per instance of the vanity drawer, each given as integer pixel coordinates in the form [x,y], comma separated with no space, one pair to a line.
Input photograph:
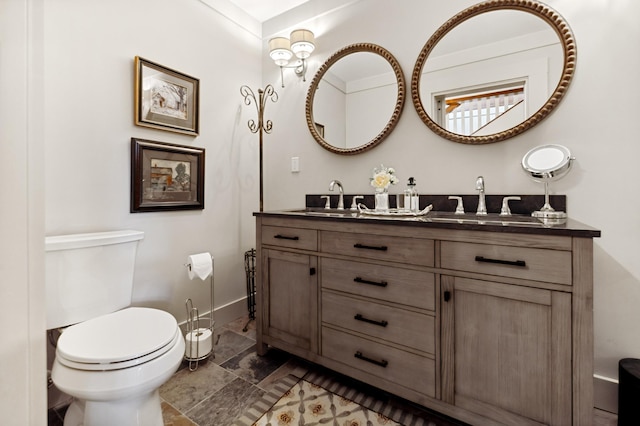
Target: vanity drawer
[553,266]
[397,285]
[395,325]
[304,239]
[407,369]
[417,251]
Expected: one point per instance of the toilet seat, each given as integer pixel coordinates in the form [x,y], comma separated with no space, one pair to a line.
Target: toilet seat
[118,340]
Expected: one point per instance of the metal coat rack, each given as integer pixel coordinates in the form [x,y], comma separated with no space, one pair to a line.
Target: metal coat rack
[261,126]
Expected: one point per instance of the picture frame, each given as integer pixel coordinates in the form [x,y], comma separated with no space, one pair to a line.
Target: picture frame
[320,129]
[166,99]
[166,176]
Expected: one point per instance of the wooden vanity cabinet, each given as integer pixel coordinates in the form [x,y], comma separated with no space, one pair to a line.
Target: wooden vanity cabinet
[506,328]
[377,316]
[487,327]
[506,351]
[288,317]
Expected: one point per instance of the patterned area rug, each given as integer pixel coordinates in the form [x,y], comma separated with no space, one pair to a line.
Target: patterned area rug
[319,399]
[309,404]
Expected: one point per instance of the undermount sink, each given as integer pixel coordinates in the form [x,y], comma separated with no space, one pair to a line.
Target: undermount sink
[441,217]
[325,212]
[489,219]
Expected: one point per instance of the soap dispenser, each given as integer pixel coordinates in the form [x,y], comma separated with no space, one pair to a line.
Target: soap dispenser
[411,200]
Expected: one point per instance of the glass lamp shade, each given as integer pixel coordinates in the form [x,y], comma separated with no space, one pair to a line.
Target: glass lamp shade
[279,51]
[302,43]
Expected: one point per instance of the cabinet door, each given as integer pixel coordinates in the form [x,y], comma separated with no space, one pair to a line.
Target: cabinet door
[290,300]
[506,351]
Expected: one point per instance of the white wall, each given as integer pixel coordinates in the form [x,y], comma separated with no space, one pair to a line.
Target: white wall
[332,109]
[22,352]
[89,52]
[601,189]
[365,118]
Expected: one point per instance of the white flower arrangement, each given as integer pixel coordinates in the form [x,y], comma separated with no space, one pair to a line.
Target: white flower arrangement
[383,176]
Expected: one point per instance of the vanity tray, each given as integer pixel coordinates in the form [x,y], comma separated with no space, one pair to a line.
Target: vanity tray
[362,209]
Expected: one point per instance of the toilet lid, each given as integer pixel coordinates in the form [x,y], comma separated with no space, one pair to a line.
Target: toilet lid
[120,339]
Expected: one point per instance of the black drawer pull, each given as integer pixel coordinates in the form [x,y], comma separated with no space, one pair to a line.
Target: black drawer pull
[363,281]
[370,321]
[362,246]
[285,237]
[381,363]
[502,262]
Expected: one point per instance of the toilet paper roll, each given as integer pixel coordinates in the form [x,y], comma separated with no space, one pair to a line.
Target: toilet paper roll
[198,343]
[201,265]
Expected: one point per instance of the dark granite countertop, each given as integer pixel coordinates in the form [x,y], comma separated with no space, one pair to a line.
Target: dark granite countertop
[493,222]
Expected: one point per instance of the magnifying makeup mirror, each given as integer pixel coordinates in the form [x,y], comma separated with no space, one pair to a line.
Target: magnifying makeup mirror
[545,164]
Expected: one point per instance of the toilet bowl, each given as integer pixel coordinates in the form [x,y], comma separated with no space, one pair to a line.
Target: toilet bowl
[114,364]
[111,357]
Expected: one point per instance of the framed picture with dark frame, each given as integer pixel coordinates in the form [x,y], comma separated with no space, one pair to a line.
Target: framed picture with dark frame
[166,99]
[165,177]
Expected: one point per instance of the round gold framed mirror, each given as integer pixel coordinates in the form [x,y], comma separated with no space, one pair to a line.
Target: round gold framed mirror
[493,71]
[355,99]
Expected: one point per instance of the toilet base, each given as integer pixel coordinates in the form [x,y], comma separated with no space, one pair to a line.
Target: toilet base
[145,410]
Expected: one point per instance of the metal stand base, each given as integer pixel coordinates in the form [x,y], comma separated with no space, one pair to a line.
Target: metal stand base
[186,358]
[250,269]
[549,214]
[193,324]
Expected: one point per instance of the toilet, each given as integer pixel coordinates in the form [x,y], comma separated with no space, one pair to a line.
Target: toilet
[111,358]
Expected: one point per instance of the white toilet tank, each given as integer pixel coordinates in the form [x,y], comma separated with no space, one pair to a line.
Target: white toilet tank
[88,275]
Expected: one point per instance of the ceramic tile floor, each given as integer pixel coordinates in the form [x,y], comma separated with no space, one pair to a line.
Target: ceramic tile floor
[223,387]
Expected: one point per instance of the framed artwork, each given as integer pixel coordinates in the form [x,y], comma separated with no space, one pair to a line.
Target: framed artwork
[320,128]
[165,176]
[166,99]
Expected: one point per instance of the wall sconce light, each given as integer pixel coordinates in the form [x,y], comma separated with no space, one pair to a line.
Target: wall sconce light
[300,43]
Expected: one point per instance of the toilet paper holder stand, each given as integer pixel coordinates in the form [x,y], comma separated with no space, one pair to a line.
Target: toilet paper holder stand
[193,327]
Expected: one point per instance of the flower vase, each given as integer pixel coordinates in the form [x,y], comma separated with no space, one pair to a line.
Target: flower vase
[382,200]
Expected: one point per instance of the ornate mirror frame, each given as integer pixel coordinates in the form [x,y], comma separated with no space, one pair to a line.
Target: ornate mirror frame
[395,116]
[540,10]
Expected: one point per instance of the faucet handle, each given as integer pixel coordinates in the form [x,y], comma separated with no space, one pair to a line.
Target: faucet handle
[327,205]
[506,211]
[354,203]
[460,206]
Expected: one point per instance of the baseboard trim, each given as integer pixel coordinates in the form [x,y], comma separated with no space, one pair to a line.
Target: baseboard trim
[222,314]
[605,393]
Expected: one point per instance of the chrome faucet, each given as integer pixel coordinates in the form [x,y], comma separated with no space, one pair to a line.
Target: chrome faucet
[460,206]
[506,211]
[354,201]
[482,206]
[341,198]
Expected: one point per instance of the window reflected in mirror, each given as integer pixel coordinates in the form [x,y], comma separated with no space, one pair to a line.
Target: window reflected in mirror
[478,112]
